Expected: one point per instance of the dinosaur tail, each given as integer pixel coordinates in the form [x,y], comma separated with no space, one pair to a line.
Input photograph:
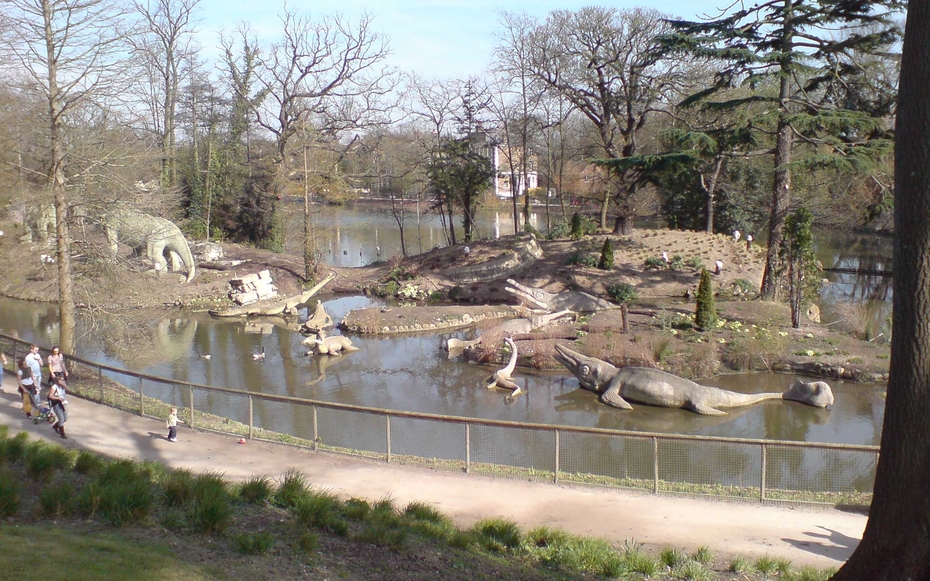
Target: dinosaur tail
[188,259]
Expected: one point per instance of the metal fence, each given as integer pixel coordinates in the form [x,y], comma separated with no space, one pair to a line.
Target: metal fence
[732,468]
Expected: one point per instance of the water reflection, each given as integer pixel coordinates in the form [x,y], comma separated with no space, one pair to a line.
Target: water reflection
[411,372]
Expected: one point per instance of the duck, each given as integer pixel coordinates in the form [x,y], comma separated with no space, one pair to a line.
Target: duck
[206,356]
[259,356]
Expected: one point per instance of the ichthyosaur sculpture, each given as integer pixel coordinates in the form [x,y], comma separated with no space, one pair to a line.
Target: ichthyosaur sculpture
[576,301]
[619,386]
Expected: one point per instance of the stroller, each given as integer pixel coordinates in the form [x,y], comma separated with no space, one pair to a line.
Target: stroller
[45,414]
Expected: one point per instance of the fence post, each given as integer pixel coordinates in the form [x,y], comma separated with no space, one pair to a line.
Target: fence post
[316,432]
[655,465]
[190,399]
[762,476]
[100,381]
[387,427]
[141,399]
[555,478]
[251,415]
[467,448]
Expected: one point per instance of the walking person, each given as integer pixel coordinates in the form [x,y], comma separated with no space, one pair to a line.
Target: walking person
[172,424]
[34,361]
[3,360]
[56,399]
[27,388]
[56,366]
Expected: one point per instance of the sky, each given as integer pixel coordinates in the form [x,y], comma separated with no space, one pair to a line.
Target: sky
[435,39]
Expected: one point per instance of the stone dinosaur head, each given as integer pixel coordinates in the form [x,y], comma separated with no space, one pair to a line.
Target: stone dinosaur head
[593,374]
[531,296]
[816,393]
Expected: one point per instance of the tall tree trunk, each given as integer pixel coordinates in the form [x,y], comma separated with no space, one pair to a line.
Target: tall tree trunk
[710,191]
[781,187]
[56,183]
[896,542]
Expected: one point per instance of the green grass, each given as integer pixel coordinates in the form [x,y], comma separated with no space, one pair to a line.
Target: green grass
[103,555]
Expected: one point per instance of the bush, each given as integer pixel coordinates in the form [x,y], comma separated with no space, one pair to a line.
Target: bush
[88,463]
[530,229]
[655,263]
[705,314]
[13,448]
[321,510]
[583,259]
[256,490]
[577,231]
[254,543]
[177,489]
[622,293]
[498,534]
[57,499]
[560,229]
[606,261]
[292,488]
[43,460]
[9,493]
[211,507]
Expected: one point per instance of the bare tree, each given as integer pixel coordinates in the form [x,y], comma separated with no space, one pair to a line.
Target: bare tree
[327,74]
[163,48]
[606,62]
[514,55]
[71,49]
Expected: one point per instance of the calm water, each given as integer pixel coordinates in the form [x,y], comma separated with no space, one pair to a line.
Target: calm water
[413,373]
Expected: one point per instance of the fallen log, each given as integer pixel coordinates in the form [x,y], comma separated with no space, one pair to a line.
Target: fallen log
[287,305]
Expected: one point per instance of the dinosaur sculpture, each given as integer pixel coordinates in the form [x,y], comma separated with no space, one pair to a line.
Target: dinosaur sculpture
[318,321]
[39,221]
[576,301]
[156,235]
[503,378]
[654,387]
[520,326]
[334,345]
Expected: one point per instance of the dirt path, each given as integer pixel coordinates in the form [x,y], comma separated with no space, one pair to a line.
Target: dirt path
[820,538]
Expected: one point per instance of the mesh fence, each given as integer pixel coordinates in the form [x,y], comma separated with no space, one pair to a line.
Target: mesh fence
[760,470]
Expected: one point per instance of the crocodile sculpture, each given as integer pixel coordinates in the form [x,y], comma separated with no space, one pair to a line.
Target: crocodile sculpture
[655,387]
[157,236]
[576,301]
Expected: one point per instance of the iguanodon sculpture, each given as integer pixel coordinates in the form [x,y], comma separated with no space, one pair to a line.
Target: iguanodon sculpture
[155,234]
[576,301]
[654,387]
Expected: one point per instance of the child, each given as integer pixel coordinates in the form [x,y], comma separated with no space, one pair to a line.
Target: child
[172,424]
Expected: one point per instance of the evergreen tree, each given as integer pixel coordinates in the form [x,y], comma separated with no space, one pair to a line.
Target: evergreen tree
[818,94]
[607,256]
[705,315]
[797,257]
[577,231]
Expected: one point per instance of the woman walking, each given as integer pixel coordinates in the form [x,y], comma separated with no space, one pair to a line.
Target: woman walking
[56,398]
[56,366]
[28,387]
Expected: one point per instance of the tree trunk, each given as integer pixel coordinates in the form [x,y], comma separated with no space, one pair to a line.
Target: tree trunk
[781,186]
[896,542]
[56,183]
[623,225]
[710,191]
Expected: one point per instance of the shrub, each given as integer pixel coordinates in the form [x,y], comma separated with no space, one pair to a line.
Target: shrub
[703,555]
[254,543]
[177,488]
[42,460]
[211,507]
[383,535]
[88,463]
[256,490]
[57,499]
[560,229]
[739,565]
[320,510]
[172,519]
[9,493]
[529,229]
[583,259]
[677,262]
[292,488]
[705,314]
[655,263]
[308,541]
[671,557]
[606,261]
[498,534]
[14,448]
[622,293]
[577,231]
[356,509]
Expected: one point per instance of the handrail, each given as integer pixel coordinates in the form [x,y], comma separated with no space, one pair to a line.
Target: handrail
[462,419]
